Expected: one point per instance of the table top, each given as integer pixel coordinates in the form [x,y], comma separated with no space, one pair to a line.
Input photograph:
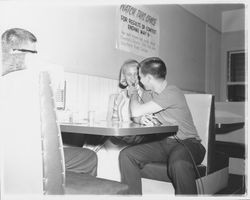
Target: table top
[225,117]
[227,122]
[115,128]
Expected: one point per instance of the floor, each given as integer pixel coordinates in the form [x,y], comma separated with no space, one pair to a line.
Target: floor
[236,185]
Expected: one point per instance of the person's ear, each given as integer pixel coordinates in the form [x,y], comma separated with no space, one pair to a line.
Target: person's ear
[149,77]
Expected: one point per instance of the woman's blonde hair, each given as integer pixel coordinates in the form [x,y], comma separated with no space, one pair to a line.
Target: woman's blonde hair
[122,80]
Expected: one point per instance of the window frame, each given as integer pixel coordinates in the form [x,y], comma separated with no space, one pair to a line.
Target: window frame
[229,81]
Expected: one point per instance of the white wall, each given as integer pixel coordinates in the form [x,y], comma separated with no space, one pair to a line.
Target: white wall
[209,13]
[228,25]
[82,39]
[233,20]
[231,41]
[182,46]
[213,62]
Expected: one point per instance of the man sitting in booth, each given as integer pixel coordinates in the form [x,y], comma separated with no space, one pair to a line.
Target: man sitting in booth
[180,152]
[17,43]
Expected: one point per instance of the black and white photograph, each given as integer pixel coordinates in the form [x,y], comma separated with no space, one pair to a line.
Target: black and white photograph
[123,99]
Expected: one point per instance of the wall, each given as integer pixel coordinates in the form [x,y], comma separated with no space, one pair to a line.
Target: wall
[203,11]
[233,20]
[213,44]
[82,39]
[230,41]
[233,38]
[210,14]
[182,46]
[219,24]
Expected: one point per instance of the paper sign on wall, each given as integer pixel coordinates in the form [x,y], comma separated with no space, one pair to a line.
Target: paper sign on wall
[138,31]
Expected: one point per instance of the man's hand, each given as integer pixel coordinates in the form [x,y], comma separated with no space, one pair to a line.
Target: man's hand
[149,120]
[146,121]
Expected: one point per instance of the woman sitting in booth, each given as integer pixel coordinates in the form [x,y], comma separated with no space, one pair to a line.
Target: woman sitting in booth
[118,107]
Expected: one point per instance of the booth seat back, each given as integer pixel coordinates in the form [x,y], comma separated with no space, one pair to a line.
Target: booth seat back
[33,150]
[52,146]
[202,110]
[214,168]
[29,142]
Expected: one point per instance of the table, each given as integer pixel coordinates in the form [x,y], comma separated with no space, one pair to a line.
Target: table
[115,128]
[231,134]
[108,165]
[228,121]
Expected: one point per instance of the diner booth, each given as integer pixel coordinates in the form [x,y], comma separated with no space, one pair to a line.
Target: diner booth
[35,163]
[41,161]
[52,106]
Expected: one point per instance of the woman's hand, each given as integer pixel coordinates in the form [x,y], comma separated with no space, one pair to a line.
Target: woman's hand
[132,90]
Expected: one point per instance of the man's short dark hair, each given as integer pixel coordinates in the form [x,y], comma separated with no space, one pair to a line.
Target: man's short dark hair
[13,37]
[154,66]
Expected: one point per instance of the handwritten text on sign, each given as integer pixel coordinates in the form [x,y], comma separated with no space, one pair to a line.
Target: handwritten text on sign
[138,31]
